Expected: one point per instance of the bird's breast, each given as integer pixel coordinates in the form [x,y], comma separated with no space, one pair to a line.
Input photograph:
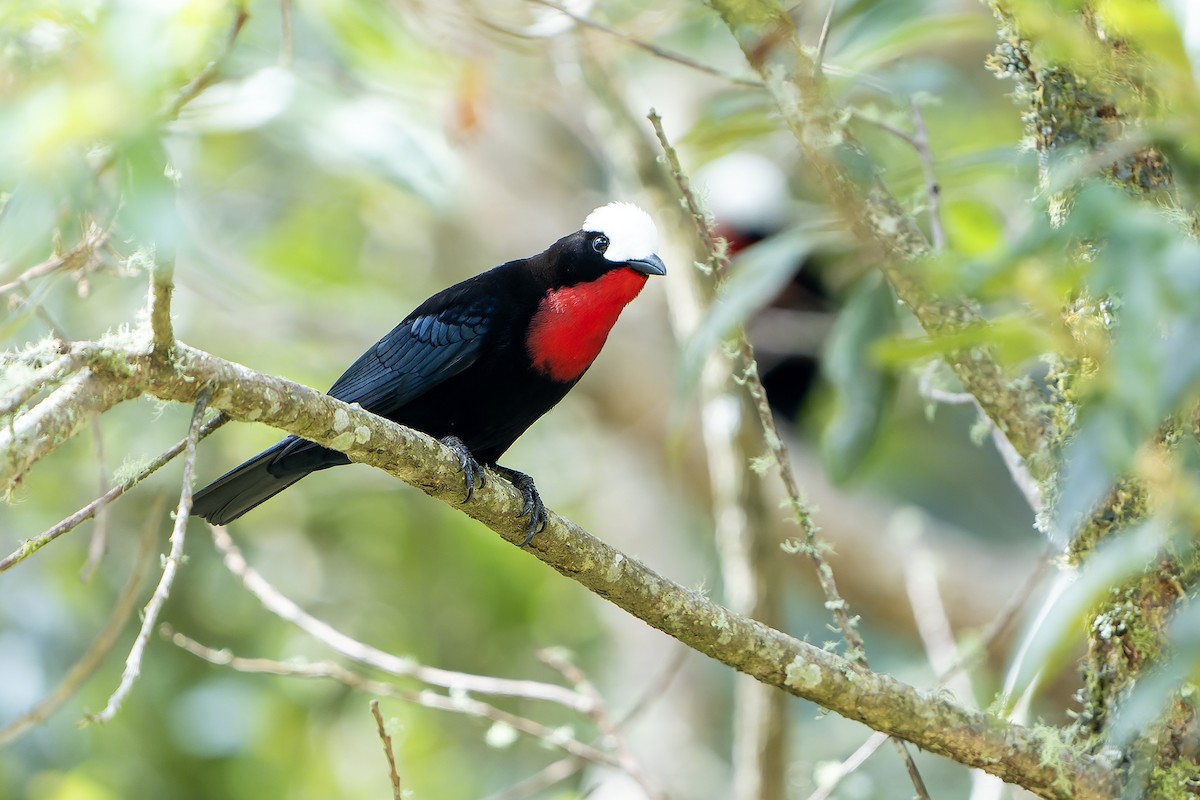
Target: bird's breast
[570,324]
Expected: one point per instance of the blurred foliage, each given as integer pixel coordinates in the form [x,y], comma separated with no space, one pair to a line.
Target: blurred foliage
[341,167]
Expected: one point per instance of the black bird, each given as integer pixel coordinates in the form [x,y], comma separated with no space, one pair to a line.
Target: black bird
[478,363]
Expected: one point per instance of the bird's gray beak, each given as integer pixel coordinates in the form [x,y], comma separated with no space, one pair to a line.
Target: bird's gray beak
[650,265]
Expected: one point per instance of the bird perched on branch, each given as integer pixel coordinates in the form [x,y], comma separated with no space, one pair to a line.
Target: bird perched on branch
[476,364]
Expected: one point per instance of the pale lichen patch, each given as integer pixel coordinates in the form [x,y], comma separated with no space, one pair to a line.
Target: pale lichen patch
[802,675]
[342,441]
[614,568]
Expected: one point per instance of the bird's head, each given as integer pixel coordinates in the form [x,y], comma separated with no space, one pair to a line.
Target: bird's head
[614,236]
[591,275]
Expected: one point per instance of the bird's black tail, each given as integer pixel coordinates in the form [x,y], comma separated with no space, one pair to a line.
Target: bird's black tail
[243,488]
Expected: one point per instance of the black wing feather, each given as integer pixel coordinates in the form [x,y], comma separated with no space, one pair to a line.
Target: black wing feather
[422,351]
[416,355]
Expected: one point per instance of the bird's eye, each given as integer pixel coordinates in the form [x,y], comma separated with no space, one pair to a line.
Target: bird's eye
[600,243]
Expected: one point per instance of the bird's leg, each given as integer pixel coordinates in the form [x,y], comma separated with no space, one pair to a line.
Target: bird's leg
[533,508]
[473,472]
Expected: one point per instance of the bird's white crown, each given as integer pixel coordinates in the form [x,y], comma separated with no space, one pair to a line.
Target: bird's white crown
[630,231]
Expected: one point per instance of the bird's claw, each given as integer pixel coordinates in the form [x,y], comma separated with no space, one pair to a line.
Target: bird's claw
[473,472]
[533,508]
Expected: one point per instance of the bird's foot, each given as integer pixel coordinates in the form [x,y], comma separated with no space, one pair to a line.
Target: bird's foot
[533,508]
[473,472]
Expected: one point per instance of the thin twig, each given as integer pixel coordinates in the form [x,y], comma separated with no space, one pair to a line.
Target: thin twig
[1004,618]
[847,767]
[884,126]
[45,376]
[284,608]
[210,72]
[385,737]
[994,629]
[100,532]
[100,647]
[31,546]
[667,55]
[133,664]
[918,140]
[23,298]
[823,40]
[655,690]
[558,660]
[457,703]
[553,773]
[933,189]
[286,43]
[564,768]
[929,610]
[747,552]
[1018,470]
[812,546]
[76,258]
[1017,467]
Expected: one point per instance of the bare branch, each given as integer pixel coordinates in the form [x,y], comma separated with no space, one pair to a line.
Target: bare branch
[31,546]
[919,141]
[279,605]
[42,429]
[43,377]
[667,55]
[78,257]
[747,548]
[719,265]
[876,219]
[934,722]
[133,664]
[1003,619]
[553,773]
[91,659]
[210,72]
[559,661]
[459,704]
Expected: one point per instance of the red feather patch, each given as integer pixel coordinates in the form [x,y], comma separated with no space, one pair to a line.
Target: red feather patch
[571,324]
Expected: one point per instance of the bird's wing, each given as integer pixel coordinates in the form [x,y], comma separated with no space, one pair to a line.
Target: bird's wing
[419,353]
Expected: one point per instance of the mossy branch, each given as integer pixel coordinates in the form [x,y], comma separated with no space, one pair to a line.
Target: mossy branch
[929,720]
[890,235]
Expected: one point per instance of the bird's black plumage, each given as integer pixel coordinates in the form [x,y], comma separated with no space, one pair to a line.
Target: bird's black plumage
[465,367]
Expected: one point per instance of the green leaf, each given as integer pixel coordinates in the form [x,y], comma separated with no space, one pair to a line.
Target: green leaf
[883,44]
[729,123]
[1060,623]
[862,391]
[973,227]
[757,276]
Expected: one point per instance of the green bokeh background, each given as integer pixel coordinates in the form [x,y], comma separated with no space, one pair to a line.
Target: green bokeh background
[320,189]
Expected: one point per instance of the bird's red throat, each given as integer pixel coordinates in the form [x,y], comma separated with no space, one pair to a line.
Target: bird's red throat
[571,324]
